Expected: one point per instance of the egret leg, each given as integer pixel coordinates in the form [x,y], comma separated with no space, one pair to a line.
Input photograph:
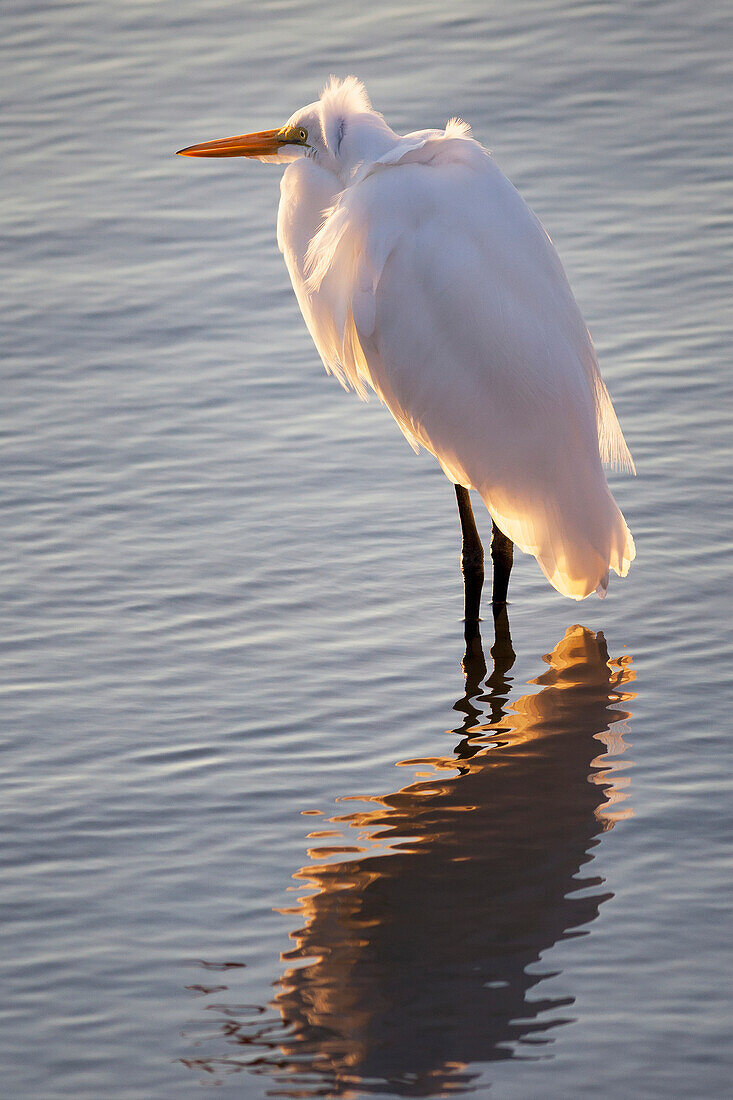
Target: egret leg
[502,557]
[472,559]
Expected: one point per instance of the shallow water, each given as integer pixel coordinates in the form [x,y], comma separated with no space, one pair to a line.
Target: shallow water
[260,831]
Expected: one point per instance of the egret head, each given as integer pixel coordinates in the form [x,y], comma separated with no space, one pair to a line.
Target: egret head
[339,131]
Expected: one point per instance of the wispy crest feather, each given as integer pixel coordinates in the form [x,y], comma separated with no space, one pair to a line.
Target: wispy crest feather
[344,96]
[456,127]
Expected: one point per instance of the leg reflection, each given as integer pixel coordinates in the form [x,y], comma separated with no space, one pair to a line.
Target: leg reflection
[412,966]
[474,668]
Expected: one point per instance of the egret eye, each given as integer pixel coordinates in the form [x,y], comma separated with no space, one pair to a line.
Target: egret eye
[303,135]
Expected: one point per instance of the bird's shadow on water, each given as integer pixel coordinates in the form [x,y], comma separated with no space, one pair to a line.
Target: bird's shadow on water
[417,958]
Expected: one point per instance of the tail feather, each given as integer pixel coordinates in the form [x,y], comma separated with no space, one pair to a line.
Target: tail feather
[574,547]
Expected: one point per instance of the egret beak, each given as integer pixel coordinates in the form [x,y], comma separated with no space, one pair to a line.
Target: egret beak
[265,143]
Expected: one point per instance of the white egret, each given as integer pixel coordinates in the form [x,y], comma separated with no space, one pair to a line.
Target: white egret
[424,276]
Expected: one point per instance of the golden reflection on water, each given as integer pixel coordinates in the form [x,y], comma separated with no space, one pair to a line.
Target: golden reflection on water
[417,956]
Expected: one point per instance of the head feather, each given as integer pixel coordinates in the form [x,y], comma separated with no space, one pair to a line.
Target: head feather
[345,97]
[341,102]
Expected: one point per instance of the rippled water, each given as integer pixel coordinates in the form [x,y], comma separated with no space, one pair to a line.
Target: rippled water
[260,831]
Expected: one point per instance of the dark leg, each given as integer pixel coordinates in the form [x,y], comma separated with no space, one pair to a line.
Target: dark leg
[502,557]
[472,559]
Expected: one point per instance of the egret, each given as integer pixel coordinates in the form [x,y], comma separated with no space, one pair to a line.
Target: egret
[423,275]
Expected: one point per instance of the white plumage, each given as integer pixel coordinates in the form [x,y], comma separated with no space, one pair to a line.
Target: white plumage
[423,275]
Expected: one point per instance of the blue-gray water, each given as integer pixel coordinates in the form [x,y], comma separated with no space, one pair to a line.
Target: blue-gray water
[231,601]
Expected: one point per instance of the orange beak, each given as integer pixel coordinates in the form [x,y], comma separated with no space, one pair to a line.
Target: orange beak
[265,143]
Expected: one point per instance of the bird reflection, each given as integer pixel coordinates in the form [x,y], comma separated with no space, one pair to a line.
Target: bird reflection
[420,957]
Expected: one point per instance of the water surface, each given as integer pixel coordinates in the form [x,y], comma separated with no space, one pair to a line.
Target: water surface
[262,832]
